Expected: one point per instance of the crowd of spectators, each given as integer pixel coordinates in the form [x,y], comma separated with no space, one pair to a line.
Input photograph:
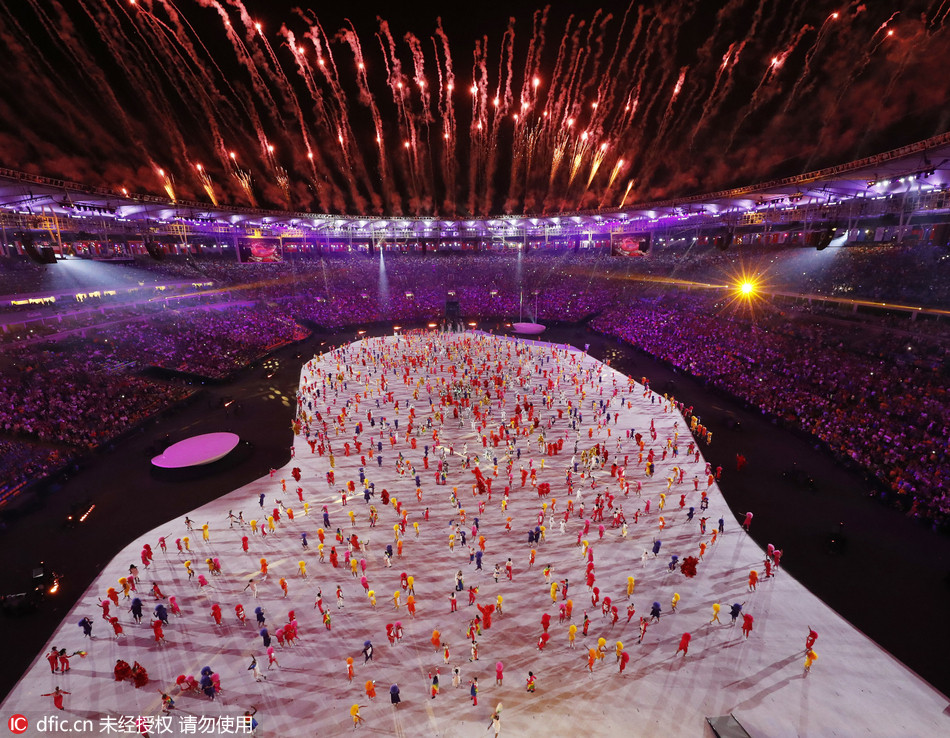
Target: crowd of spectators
[66,395]
[871,387]
[66,402]
[23,462]
[342,291]
[78,388]
[178,340]
[889,413]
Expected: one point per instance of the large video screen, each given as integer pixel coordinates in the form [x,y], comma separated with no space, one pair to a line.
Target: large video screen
[630,244]
[260,251]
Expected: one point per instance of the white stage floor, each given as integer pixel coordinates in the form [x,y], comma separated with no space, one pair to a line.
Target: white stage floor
[854,688]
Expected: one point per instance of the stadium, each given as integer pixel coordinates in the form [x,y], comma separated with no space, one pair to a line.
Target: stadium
[618,276]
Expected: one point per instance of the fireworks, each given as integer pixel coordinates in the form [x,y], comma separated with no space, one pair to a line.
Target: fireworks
[626,193]
[242,177]
[167,183]
[206,184]
[371,123]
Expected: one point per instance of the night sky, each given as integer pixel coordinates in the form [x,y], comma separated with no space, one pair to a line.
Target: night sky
[574,107]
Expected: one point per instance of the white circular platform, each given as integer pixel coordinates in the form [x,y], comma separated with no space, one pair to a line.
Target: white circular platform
[531,329]
[197,450]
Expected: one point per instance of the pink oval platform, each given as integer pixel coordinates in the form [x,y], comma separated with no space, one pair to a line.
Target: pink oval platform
[530,329]
[197,450]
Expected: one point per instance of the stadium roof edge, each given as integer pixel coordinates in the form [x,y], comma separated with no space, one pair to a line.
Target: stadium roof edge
[896,171]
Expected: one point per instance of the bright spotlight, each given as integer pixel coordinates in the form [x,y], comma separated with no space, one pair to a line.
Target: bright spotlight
[747,288]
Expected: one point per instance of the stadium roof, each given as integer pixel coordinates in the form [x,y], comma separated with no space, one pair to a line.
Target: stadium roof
[914,169]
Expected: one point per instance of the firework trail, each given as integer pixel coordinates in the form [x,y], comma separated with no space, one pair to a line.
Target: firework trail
[62,27]
[591,75]
[201,83]
[345,127]
[282,84]
[854,8]
[637,118]
[554,108]
[706,56]
[762,93]
[207,184]
[524,135]
[609,121]
[644,150]
[572,107]
[390,194]
[559,119]
[616,120]
[319,107]
[539,135]
[243,178]
[914,37]
[586,86]
[180,23]
[880,35]
[668,114]
[447,116]
[641,64]
[581,146]
[422,148]
[595,163]
[939,16]
[608,190]
[626,192]
[792,14]
[936,17]
[877,38]
[50,84]
[399,87]
[707,106]
[168,183]
[247,60]
[280,174]
[244,58]
[316,162]
[479,124]
[333,117]
[188,71]
[105,21]
[558,154]
[501,104]
[24,44]
[657,153]
[251,59]
[729,62]
[623,117]
[606,89]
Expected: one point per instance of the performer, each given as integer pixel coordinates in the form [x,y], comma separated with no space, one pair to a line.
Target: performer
[684,644]
[57,695]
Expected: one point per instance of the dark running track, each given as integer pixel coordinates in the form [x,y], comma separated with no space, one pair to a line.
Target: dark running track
[892,581]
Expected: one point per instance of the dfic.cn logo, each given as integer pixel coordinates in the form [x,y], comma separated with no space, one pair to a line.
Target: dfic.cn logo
[18,724]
